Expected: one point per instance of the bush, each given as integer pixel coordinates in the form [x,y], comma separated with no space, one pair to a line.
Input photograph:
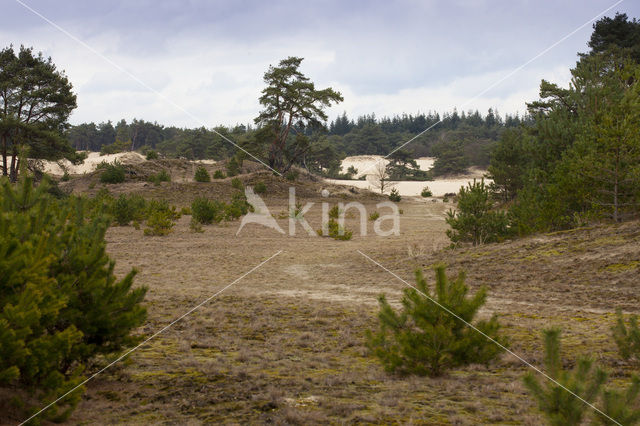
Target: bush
[232,167]
[218,174]
[163,207]
[162,176]
[627,337]
[336,231]
[424,339]
[394,196]
[291,176]
[202,175]
[237,184]
[426,192]
[374,216]
[61,304]
[238,206]
[260,188]
[206,211]
[623,407]
[559,406]
[112,173]
[124,209]
[152,155]
[159,223]
[475,221]
[334,212]
[65,177]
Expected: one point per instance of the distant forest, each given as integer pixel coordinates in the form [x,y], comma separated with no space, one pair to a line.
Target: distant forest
[467,136]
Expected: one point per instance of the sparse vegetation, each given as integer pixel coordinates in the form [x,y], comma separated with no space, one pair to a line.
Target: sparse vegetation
[152,155]
[425,339]
[159,223]
[336,231]
[207,211]
[219,174]
[162,176]
[236,183]
[374,216]
[426,192]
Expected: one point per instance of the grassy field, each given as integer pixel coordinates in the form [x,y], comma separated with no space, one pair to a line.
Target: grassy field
[285,344]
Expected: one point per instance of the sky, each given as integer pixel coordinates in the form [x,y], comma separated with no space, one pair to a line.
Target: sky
[194,63]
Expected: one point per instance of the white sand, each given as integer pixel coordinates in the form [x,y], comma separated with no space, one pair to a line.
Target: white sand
[89,164]
[366,164]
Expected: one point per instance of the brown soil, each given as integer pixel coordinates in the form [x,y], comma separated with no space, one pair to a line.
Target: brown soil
[285,344]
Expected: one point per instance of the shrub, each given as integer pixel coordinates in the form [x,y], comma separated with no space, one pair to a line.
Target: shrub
[218,174]
[152,155]
[627,337]
[237,184]
[426,192]
[206,211]
[163,207]
[238,206]
[65,177]
[374,216]
[112,173]
[159,223]
[195,226]
[336,231]
[475,220]
[185,211]
[124,209]
[260,188]
[202,175]
[394,196]
[232,167]
[559,406]
[334,212]
[424,339]
[623,407]
[61,304]
[162,176]
[291,175]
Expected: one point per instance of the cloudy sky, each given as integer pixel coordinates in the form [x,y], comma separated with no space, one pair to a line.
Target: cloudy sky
[204,59]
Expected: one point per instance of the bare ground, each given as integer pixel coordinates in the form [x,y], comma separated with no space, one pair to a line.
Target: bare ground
[285,344]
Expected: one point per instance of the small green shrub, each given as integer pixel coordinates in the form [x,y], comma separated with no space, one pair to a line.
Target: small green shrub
[236,183]
[232,167]
[559,406]
[374,216]
[238,206]
[164,207]
[627,337]
[113,173]
[207,211]
[202,175]
[291,175]
[424,339]
[152,155]
[124,209]
[159,223]
[185,211]
[336,231]
[161,176]
[65,177]
[218,174]
[426,192]
[475,220]
[260,188]
[334,212]
[394,196]
[195,226]
[621,406]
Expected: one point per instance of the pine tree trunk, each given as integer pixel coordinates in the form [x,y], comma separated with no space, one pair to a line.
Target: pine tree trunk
[4,155]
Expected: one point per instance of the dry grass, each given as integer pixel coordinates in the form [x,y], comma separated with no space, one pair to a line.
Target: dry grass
[286,344]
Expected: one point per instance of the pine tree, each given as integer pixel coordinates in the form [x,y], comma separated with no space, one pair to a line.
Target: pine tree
[627,337]
[60,302]
[621,406]
[559,406]
[424,338]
